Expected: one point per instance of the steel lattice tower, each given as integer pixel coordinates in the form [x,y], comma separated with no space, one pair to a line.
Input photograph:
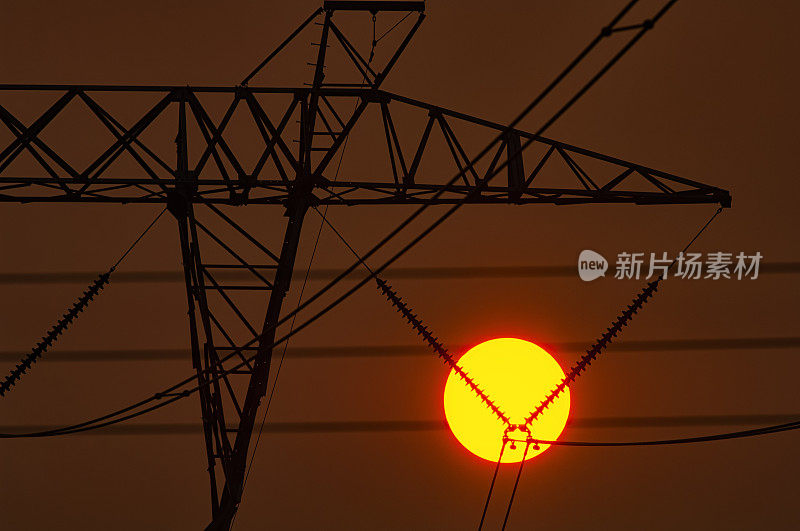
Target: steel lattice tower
[208,174]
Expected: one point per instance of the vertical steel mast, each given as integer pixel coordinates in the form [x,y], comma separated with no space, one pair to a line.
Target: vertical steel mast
[227,432]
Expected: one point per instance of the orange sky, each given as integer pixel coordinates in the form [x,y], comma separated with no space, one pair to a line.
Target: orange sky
[709,94]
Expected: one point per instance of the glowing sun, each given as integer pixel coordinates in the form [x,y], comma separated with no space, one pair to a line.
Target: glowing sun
[517,375]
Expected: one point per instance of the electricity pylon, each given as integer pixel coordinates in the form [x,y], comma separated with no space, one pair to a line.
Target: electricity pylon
[210,173]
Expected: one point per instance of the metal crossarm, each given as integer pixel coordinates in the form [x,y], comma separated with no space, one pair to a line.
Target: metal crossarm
[221,175]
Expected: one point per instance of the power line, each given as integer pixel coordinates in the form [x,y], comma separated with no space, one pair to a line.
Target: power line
[742,434]
[412,426]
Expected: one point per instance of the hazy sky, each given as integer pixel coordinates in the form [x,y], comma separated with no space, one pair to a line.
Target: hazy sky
[709,94]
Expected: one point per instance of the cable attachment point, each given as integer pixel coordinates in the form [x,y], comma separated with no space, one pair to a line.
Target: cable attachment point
[524,430]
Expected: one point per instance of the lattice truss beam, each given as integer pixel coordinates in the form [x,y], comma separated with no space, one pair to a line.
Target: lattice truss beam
[248,154]
[244,143]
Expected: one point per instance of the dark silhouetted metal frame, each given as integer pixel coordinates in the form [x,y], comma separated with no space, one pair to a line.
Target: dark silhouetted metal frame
[299,181]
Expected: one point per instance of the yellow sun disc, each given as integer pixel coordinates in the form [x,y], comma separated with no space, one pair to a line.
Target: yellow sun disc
[517,375]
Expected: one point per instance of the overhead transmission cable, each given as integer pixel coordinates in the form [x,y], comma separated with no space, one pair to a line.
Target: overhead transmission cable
[741,434]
